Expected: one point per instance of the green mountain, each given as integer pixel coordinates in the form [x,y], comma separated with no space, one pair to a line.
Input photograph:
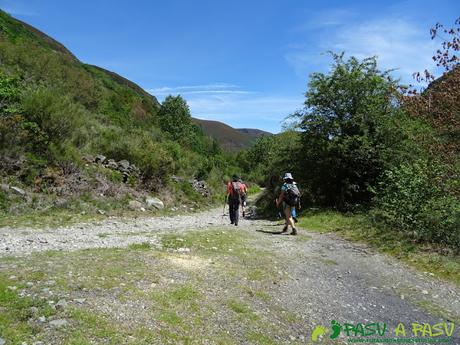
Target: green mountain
[229,138]
[56,111]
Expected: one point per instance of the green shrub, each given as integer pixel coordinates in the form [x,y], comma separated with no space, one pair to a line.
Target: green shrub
[440,219]
[9,94]
[4,202]
[112,175]
[56,115]
[413,198]
[31,168]
[65,156]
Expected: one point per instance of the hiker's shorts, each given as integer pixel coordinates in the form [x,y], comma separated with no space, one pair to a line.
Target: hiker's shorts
[287,210]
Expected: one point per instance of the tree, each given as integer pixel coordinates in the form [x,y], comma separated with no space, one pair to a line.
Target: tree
[175,117]
[348,131]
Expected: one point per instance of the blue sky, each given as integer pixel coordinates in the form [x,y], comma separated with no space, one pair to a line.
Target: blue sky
[245,63]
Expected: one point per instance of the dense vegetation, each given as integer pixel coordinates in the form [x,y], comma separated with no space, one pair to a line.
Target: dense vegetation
[55,110]
[365,142]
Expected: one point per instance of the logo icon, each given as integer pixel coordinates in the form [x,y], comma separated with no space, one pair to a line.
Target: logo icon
[319,331]
[322,331]
[336,328]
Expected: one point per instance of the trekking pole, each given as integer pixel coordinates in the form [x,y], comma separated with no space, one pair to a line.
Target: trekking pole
[278,210]
[223,212]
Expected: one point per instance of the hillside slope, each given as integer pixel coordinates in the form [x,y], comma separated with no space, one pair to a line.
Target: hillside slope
[57,114]
[229,138]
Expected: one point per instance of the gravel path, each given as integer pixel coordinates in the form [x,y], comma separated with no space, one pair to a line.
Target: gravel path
[328,278]
[113,232]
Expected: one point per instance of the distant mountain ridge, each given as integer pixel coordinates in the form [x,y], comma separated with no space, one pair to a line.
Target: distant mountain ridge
[231,139]
[253,132]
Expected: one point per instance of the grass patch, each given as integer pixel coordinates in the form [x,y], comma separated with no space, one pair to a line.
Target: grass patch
[140,246]
[254,189]
[256,274]
[94,324]
[329,262]
[171,318]
[185,296]
[15,311]
[359,228]
[327,221]
[435,309]
[261,339]
[242,309]
[209,243]
[51,218]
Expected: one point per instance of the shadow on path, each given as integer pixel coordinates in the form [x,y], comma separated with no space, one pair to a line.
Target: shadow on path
[271,232]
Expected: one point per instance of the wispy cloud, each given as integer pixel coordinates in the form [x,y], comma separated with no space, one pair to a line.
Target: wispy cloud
[398,43]
[230,104]
[257,111]
[326,18]
[191,89]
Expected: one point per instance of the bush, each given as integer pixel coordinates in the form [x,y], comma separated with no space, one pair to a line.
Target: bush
[32,167]
[413,198]
[4,202]
[440,219]
[56,115]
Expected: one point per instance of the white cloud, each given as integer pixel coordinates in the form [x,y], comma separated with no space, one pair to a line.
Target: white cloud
[397,42]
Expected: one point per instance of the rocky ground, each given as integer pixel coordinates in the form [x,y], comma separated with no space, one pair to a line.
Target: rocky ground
[195,279]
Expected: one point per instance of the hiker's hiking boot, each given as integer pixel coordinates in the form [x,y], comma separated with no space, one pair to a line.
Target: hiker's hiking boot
[294,231]
[285,229]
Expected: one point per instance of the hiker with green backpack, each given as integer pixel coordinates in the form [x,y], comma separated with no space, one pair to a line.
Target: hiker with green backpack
[289,198]
[234,192]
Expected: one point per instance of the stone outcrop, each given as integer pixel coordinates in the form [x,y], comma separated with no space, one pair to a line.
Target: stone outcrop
[197,185]
[123,166]
[200,187]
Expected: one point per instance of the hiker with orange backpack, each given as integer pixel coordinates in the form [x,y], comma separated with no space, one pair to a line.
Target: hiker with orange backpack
[234,191]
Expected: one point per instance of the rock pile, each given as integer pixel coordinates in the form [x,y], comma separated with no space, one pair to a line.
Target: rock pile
[200,187]
[123,166]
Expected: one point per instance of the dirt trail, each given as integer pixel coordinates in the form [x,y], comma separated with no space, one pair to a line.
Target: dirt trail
[112,232]
[325,277]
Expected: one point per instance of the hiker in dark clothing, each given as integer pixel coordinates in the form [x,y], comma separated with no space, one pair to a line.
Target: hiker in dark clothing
[234,190]
[288,198]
